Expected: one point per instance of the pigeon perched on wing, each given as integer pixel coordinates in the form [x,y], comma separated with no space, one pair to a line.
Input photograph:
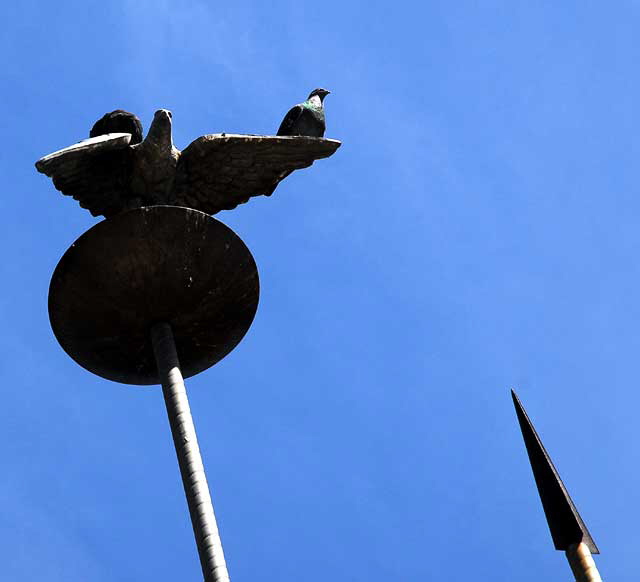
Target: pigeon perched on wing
[306,118]
[118,121]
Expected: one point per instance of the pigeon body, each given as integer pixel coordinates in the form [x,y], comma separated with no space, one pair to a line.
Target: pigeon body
[306,118]
[118,121]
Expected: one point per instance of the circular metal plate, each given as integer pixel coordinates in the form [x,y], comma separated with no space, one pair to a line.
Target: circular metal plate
[159,263]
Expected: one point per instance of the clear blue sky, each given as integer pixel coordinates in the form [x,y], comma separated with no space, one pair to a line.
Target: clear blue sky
[477,231]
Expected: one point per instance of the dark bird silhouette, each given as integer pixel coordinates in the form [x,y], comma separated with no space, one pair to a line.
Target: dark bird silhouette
[118,121]
[306,118]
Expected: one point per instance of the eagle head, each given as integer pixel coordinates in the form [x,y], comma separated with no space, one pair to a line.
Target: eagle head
[160,130]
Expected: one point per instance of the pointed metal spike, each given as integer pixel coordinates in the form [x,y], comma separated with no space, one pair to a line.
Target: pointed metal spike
[564,521]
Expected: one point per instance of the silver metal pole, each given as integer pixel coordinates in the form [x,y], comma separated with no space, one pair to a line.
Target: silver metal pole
[582,564]
[194,479]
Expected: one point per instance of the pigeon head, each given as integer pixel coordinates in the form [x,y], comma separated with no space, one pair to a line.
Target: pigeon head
[321,93]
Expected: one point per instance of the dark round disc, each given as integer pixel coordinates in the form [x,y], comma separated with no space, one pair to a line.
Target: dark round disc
[153,264]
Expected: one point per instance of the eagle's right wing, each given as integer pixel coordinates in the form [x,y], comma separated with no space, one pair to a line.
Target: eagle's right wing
[96,172]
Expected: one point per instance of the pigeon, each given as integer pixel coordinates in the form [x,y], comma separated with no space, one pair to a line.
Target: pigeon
[118,121]
[306,118]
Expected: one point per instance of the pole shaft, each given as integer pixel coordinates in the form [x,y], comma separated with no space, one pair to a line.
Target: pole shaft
[194,479]
[582,564]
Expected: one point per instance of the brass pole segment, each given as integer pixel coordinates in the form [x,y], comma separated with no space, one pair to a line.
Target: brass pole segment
[582,564]
[194,479]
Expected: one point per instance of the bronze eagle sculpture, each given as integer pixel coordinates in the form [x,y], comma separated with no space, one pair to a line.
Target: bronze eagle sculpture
[110,173]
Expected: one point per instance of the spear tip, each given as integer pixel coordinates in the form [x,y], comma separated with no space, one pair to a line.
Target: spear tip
[564,521]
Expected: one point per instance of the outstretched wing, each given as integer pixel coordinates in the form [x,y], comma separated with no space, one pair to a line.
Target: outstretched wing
[218,172]
[290,119]
[96,172]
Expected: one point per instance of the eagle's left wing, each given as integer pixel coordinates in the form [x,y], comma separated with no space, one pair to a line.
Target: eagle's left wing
[95,171]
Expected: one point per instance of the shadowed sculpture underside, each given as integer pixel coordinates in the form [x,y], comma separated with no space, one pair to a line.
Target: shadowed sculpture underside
[161,263]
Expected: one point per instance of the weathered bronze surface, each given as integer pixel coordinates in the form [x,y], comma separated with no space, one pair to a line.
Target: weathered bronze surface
[152,264]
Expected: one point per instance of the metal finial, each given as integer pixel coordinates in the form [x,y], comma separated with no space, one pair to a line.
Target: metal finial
[565,523]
